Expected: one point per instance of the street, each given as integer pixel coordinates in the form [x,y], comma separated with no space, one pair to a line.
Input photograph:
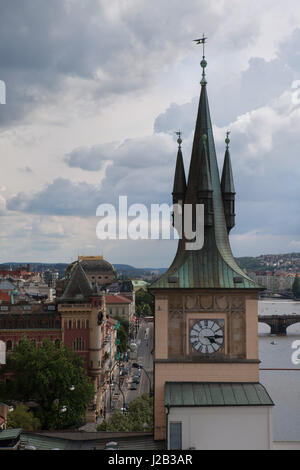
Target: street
[144,340]
[145,358]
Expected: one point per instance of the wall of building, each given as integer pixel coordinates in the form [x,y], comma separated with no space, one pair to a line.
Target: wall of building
[206,428]
[195,372]
[173,360]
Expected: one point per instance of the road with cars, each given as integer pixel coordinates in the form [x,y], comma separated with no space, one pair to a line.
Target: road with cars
[134,382]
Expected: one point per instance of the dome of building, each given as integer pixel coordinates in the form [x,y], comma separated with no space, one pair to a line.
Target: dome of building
[96,268]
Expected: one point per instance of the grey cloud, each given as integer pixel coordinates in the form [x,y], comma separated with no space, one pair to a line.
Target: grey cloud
[43,43]
[61,197]
[257,86]
[142,169]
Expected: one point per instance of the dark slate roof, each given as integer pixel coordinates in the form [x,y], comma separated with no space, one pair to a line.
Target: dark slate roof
[214,265]
[227,183]
[78,287]
[191,394]
[179,186]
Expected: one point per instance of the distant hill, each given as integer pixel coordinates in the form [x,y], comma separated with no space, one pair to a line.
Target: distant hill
[122,269]
[286,262]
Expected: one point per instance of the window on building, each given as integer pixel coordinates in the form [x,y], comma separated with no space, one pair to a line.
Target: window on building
[78,344]
[87,324]
[57,343]
[8,345]
[175,436]
[78,324]
[70,324]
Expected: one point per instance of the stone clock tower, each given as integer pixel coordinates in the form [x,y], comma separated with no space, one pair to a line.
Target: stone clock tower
[206,342]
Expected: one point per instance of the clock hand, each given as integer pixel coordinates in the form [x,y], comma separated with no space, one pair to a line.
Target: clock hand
[211,339]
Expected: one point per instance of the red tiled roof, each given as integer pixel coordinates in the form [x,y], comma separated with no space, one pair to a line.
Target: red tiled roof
[116,299]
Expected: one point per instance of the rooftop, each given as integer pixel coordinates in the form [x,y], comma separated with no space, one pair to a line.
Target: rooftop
[189,394]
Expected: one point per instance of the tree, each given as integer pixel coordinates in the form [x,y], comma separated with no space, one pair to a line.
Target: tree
[144,297]
[143,310]
[21,417]
[296,287]
[139,417]
[52,377]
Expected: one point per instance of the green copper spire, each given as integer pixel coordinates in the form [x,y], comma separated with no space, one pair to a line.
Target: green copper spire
[227,187]
[179,188]
[204,179]
[213,266]
[227,183]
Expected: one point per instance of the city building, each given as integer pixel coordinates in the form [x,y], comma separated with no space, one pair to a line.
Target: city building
[119,306]
[206,366]
[97,270]
[88,331]
[79,320]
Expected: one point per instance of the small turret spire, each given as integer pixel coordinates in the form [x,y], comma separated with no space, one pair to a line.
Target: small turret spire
[227,187]
[179,188]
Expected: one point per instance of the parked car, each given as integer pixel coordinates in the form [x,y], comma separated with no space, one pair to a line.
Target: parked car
[133,386]
[136,379]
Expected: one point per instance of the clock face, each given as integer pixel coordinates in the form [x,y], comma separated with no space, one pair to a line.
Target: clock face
[207,336]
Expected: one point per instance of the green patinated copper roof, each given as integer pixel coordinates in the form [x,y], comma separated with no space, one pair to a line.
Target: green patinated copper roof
[179,186]
[189,394]
[10,434]
[227,183]
[214,265]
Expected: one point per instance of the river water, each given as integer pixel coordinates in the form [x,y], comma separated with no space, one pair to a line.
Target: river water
[283,385]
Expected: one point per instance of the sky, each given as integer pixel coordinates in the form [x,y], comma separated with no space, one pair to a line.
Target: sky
[96,90]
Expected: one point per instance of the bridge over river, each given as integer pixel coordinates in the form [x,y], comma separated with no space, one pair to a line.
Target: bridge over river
[279,323]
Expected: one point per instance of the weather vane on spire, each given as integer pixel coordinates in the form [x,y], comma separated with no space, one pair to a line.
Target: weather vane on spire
[227,140]
[179,140]
[201,41]
[203,61]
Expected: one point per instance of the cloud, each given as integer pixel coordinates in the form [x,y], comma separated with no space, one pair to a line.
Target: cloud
[61,197]
[95,50]
[67,63]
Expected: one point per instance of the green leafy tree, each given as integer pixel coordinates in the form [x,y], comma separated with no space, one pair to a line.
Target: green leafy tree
[21,417]
[52,377]
[296,287]
[144,297]
[143,310]
[139,418]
